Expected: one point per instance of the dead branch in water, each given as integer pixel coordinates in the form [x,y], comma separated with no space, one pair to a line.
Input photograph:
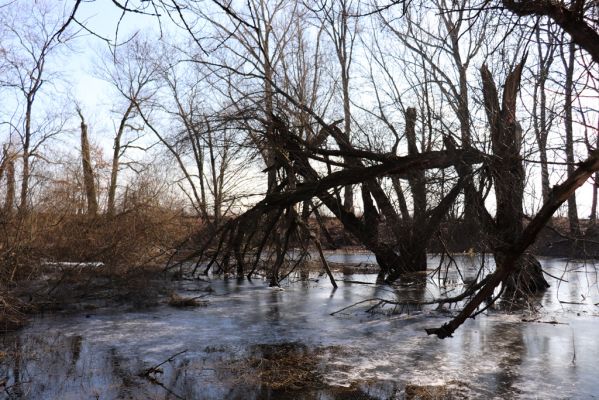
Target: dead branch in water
[156,368]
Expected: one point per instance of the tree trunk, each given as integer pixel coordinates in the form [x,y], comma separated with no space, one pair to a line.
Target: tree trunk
[569,65]
[116,156]
[4,161]
[401,198]
[470,216]
[539,109]
[412,250]
[88,171]
[416,178]
[23,203]
[348,194]
[508,175]
[10,185]
[216,209]
[593,216]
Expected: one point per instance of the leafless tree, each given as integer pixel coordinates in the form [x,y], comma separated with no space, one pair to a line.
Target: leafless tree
[543,113]
[194,132]
[339,22]
[573,20]
[87,168]
[7,169]
[451,35]
[309,159]
[31,33]
[129,70]
[568,60]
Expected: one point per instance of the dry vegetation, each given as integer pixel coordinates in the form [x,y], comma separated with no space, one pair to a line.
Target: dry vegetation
[450,391]
[289,366]
[178,301]
[12,315]
[50,261]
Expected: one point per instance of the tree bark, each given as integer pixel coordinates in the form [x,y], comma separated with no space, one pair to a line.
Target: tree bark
[568,121]
[508,175]
[416,178]
[540,121]
[463,113]
[593,216]
[116,157]
[88,171]
[344,56]
[569,19]
[9,200]
[24,200]
[401,199]
[509,263]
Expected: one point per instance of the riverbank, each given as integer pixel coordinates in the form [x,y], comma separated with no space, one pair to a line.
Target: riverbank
[554,240]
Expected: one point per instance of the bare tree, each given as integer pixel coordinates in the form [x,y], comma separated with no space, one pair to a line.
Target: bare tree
[132,76]
[251,43]
[406,251]
[7,169]
[87,168]
[508,177]
[200,139]
[569,129]
[31,39]
[542,113]
[453,35]
[342,28]
[576,18]
[582,32]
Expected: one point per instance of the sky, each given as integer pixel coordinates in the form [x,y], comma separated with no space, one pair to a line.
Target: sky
[97,98]
[79,68]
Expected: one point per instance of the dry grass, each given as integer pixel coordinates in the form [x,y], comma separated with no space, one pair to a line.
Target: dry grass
[450,391]
[139,237]
[287,366]
[129,248]
[12,316]
[134,238]
[182,302]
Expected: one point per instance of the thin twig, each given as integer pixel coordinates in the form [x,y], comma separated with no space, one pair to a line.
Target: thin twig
[154,369]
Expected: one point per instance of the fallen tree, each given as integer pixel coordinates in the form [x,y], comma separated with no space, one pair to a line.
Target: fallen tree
[399,256]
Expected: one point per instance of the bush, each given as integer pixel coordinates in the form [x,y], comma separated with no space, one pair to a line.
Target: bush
[138,237]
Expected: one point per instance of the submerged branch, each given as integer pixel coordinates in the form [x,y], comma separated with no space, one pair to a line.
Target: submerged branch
[440,301]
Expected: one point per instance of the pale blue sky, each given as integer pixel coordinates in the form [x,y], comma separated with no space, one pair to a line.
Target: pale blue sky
[96,97]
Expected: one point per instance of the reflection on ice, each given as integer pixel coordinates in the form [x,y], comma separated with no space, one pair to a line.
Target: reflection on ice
[252,342]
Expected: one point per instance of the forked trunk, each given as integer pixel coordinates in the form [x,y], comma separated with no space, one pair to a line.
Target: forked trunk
[508,176]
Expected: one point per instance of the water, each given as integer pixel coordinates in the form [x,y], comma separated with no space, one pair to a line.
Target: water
[233,347]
